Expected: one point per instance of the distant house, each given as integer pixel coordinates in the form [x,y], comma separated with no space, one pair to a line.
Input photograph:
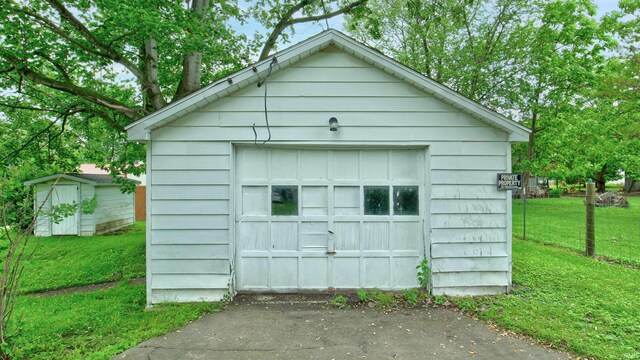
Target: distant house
[113,209]
[369,168]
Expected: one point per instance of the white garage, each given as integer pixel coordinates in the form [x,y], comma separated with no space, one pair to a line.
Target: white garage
[345,172]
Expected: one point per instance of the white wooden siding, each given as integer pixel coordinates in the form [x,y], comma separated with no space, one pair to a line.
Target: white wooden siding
[114,209]
[43,204]
[189,221]
[191,171]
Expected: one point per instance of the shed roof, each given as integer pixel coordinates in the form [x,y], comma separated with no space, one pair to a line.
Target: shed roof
[140,130]
[91,179]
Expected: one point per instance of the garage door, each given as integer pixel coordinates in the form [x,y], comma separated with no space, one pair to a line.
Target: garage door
[318,219]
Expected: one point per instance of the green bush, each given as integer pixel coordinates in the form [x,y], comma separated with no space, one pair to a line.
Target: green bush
[555,193]
[339,302]
[410,296]
[386,300]
[363,295]
[423,273]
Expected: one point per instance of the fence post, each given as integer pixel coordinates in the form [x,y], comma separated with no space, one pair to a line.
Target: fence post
[591,219]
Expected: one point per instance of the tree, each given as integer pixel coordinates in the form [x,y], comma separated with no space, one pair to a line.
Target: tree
[525,59]
[115,62]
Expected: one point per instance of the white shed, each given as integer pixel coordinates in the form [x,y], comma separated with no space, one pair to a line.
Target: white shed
[112,208]
[409,172]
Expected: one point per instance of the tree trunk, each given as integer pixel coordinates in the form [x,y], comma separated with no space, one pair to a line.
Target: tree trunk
[192,63]
[152,90]
[600,179]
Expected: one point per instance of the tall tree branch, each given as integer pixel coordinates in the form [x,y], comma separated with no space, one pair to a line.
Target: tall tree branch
[105,49]
[288,20]
[70,88]
[191,63]
[150,55]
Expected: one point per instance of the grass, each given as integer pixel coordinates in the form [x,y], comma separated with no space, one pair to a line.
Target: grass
[562,222]
[589,307]
[67,261]
[95,325]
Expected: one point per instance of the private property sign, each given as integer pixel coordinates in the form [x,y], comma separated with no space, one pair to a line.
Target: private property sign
[507,181]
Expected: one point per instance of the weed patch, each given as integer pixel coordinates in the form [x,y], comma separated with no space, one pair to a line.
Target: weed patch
[339,302]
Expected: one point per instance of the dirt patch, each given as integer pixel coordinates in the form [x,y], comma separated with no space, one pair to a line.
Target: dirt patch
[88,288]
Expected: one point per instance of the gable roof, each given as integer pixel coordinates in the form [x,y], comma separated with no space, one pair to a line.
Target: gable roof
[141,129]
[91,179]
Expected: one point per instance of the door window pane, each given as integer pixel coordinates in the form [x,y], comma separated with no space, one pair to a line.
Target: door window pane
[284,200]
[376,200]
[405,200]
[255,200]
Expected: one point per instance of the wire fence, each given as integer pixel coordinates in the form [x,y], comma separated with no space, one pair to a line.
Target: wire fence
[562,222]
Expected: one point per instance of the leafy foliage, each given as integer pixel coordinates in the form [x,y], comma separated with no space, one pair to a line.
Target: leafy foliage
[423,273]
[411,296]
[339,302]
[539,62]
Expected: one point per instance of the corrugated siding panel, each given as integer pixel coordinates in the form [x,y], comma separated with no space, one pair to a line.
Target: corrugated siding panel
[371,107]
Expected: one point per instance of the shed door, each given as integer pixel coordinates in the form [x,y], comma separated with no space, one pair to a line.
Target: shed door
[65,194]
[322,219]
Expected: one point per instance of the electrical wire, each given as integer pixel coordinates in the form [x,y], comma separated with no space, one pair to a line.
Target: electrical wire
[266,112]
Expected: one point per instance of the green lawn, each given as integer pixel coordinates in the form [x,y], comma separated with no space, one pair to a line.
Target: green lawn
[589,307]
[94,325]
[61,262]
[562,222]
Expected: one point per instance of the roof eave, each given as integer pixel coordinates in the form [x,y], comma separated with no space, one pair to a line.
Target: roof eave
[58,176]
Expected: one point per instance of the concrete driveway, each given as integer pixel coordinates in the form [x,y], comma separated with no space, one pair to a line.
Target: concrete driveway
[303,327]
